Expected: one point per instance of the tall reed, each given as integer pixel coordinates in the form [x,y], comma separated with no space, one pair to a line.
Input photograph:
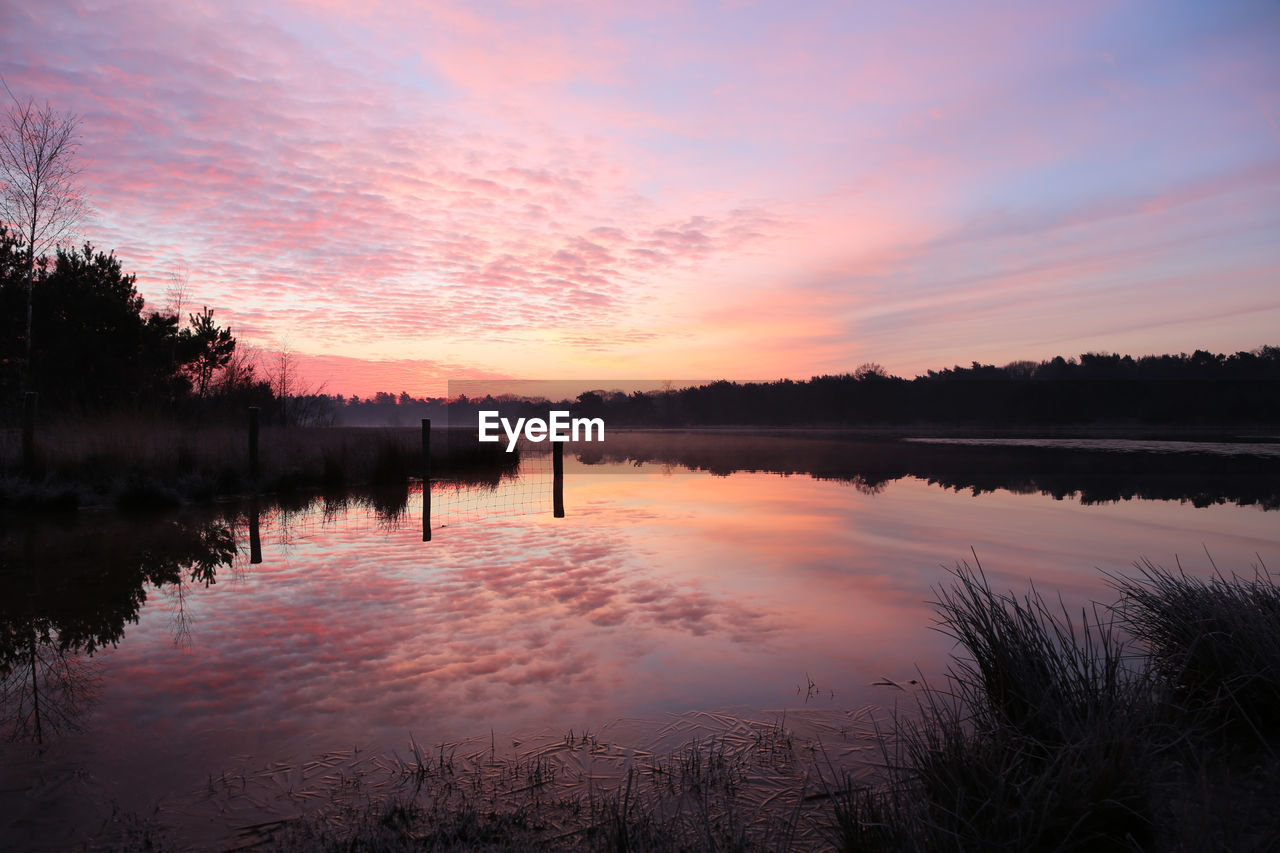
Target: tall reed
[1215,641]
[1044,735]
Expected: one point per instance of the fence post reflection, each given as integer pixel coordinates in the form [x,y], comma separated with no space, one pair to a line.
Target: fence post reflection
[255,536]
[426,479]
[426,510]
[557,479]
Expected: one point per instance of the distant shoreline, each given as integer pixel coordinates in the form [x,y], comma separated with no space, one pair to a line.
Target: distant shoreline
[133,464]
[1144,432]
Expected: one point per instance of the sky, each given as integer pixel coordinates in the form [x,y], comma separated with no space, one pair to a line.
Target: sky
[400,194]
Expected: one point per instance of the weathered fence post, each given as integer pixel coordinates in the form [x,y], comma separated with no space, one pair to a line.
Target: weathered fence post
[253,441]
[426,479]
[426,450]
[557,479]
[29,431]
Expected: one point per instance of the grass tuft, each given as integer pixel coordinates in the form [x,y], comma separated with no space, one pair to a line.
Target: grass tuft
[1147,725]
[1045,735]
[1215,642]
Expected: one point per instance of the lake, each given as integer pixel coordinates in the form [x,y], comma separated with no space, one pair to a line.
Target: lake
[696,584]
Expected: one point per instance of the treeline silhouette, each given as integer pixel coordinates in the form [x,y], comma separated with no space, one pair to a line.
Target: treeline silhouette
[95,346]
[1201,389]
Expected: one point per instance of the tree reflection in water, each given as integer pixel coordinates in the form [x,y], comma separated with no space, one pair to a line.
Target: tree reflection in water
[1093,475]
[59,605]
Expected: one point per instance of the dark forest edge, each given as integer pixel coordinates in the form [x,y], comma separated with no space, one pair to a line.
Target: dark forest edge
[1154,394]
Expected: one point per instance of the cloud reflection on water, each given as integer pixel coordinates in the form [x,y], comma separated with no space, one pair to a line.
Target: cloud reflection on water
[669,591]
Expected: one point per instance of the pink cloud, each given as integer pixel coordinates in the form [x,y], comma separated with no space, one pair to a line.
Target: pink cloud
[614,188]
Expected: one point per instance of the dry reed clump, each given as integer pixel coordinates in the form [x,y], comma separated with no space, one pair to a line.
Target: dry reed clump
[1045,737]
[1214,642]
[1053,733]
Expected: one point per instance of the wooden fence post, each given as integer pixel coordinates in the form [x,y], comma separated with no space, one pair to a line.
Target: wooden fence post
[426,450]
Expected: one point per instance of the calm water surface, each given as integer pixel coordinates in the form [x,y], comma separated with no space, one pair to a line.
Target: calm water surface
[665,590]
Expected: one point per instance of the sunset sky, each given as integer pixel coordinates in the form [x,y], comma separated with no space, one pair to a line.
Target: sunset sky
[406,193]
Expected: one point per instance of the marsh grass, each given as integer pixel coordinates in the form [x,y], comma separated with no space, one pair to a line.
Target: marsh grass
[730,787]
[1215,642]
[863,819]
[1136,727]
[138,462]
[1044,736]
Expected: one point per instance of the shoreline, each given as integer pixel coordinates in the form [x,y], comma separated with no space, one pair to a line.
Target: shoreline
[156,467]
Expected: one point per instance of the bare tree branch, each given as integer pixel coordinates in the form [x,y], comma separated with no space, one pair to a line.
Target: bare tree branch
[179,289]
[41,200]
